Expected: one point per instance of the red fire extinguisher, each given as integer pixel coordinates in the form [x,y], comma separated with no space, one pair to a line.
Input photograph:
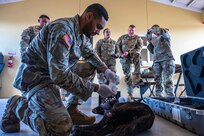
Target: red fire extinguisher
[10,59]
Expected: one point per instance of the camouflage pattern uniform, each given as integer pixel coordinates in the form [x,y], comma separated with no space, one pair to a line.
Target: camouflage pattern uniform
[85,70]
[107,51]
[163,65]
[45,68]
[27,36]
[133,45]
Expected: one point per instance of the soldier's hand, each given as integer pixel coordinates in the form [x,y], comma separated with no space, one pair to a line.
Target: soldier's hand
[114,56]
[154,36]
[113,86]
[105,91]
[112,77]
[125,54]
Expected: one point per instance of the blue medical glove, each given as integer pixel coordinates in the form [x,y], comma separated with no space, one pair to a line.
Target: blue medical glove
[111,76]
[105,91]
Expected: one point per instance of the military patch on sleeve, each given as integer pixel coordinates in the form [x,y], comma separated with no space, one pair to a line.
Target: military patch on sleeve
[67,40]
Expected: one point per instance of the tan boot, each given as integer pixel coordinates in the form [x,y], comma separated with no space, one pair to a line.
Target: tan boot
[79,118]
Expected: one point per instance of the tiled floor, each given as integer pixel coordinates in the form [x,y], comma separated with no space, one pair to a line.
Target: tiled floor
[161,126]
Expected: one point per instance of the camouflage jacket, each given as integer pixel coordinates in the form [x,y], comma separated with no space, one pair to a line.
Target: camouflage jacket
[161,48]
[52,53]
[106,49]
[27,36]
[130,44]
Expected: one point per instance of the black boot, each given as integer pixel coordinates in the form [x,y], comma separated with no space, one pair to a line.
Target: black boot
[10,123]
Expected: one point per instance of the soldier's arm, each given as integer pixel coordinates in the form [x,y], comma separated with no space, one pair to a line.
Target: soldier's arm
[25,39]
[98,48]
[150,47]
[165,34]
[59,69]
[91,56]
[116,50]
[119,45]
[139,45]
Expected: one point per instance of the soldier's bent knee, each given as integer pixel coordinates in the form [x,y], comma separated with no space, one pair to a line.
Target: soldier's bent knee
[59,128]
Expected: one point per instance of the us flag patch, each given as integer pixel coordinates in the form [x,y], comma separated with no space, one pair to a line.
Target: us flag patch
[67,40]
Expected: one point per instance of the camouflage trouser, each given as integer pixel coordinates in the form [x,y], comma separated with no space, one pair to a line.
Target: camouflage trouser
[126,66]
[101,77]
[163,73]
[84,70]
[44,112]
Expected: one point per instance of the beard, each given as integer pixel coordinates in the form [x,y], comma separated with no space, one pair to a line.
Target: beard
[87,30]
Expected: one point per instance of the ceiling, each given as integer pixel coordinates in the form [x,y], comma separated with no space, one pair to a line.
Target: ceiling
[193,5]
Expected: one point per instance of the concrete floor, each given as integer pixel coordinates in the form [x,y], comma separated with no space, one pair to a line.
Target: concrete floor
[161,126]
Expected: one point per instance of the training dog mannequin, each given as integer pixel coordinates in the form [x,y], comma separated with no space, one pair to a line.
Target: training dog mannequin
[124,119]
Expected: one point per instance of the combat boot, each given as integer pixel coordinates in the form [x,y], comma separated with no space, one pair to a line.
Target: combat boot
[130,95]
[79,118]
[98,110]
[10,123]
[129,90]
[159,94]
[136,80]
[170,94]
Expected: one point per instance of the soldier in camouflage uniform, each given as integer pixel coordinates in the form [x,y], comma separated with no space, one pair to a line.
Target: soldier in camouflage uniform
[130,47]
[45,68]
[78,118]
[29,33]
[163,65]
[108,52]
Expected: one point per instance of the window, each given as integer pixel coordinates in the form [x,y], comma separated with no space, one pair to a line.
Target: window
[147,57]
